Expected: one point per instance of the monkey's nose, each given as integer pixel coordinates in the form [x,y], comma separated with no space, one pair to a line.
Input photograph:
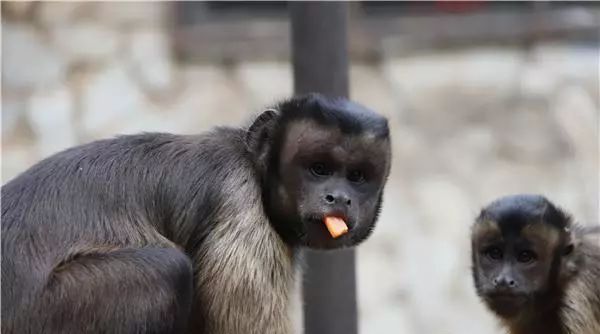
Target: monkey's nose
[504,282]
[338,199]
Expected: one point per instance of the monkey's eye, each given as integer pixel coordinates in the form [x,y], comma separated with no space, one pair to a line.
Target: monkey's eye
[568,250]
[356,176]
[320,169]
[494,253]
[526,256]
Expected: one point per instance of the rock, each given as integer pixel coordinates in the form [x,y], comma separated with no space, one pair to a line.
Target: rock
[146,119]
[15,159]
[50,114]
[386,319]
[265,82]
[366,87]
[150,59]
[480,70]
[570,61]
[133,13]
[439,92]
[576,114]
[533,135]
[17,9]
[444,206]
[12,110]
[538,82]
[52,13]
[208,98]
[475,143]
[28,62]
[372,290]
[428,284]
[109,96]
[85,41]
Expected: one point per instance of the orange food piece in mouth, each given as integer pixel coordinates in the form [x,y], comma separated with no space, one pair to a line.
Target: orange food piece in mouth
[336,226]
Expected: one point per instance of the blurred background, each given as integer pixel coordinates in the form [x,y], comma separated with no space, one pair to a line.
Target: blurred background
[484,99]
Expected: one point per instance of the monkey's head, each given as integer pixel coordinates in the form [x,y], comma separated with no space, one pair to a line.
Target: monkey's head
[321,157]
[522,253]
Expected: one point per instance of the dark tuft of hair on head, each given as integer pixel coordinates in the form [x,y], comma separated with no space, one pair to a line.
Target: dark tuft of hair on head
[348,116]
[523,209]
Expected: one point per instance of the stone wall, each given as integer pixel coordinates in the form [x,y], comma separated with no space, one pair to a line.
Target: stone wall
[468,125]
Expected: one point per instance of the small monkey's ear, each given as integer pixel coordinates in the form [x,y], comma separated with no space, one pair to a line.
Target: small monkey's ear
[261,132]
[571,256]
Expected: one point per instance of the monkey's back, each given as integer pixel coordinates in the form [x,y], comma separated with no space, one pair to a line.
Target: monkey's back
[70,194]
[116,192]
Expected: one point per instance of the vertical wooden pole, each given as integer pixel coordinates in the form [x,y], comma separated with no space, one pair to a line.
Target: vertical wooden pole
[320,61]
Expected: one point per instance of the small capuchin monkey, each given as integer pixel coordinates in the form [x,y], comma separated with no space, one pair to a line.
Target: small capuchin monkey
[535,269]
[163,233]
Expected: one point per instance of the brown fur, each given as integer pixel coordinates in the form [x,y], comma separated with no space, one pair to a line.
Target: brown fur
[581,313]
[558,292]
[245,278]
[162,234]
[580,306]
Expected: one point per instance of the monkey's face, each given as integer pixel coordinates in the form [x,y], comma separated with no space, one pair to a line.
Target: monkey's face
[511,271]
[516,259]
[322,173]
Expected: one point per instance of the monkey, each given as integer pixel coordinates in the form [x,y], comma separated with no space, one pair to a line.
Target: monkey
[535,268]
[166,233]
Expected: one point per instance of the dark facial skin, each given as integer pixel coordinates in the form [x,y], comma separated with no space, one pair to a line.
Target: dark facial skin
[326,173]
[512,269]
[321,157]
[518,247]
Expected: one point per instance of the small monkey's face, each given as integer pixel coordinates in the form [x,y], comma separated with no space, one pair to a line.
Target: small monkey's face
[516,256]
[511,270]
[326,173]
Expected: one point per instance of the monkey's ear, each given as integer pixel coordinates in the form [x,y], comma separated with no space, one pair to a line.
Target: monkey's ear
[571,256]
[261,132]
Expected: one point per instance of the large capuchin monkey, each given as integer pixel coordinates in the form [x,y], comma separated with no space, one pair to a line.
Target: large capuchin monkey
[535,269]
[162,233]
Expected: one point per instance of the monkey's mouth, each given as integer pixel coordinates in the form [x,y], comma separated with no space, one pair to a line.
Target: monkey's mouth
[506,304]
[317,235]
[319,219]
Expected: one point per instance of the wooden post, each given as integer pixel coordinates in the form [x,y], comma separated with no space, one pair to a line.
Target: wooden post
[320,60]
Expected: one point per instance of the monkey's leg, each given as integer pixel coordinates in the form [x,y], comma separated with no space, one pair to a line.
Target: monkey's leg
[137,290]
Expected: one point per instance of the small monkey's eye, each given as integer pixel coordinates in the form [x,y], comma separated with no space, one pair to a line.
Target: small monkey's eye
[356,176]
[526,256]
[320,169]
[568,250]
[494,253]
